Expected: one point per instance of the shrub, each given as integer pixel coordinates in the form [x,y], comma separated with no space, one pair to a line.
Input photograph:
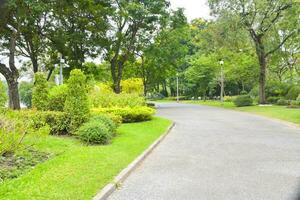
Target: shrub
[94,132]
[40,92]
[229,98]
[77,105]
[57,97]
[25,90]
[3,95]
[10,138]
[58,122]
[133,86]
[283,102]
[275,88]
[273,100]
[105,119]
[243,100]
[293,93]
[135,114]
[103,97]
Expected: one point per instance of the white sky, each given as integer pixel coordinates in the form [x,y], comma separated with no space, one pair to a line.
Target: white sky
[193,8]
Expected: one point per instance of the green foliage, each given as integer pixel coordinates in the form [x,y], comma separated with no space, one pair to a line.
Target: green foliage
[133,86]
[57,122]
[10,137]
[283,102]
[293,92]
[229,98]
[3,95]
[243,100]
[102,96]
[57,97]
[94,132]
[77,104]
[25,89]
[105,119]
[40,92]
[273,100]
[129,115]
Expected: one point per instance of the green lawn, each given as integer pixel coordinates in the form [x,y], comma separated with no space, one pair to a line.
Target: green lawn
[278,112]
[78,171]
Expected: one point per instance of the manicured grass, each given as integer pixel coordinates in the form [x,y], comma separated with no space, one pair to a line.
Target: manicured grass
[79,171]
[278,112]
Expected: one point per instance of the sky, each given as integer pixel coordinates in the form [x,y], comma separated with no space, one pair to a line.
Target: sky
[193,8]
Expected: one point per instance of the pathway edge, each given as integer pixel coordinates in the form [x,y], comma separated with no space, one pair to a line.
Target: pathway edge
[121,177]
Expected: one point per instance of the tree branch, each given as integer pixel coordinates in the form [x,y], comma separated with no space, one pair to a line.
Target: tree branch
[280,44]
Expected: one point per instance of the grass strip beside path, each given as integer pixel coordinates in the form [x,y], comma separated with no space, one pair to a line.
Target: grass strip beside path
[278,112]
[79,171]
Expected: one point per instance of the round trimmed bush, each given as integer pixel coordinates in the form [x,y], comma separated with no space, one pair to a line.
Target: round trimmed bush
[104,119]
[94,132]
[243,100]
[283,102]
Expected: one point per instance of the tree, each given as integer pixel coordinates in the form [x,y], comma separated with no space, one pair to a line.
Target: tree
[261,19]
[130,22]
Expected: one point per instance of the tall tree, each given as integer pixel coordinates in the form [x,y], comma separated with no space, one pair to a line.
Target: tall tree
[261,19]
[132,19]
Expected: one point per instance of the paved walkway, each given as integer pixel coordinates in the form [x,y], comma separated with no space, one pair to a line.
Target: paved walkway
[217,154]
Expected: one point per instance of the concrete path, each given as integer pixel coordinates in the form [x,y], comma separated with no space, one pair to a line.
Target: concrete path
[217,154]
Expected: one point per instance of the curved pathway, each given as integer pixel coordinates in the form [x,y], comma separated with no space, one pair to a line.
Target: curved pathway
[218,154]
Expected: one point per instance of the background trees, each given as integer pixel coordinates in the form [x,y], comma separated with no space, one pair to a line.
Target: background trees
[112,40]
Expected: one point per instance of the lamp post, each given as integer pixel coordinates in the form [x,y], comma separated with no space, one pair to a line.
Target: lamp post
[177,83]
[61,62]
[222,82]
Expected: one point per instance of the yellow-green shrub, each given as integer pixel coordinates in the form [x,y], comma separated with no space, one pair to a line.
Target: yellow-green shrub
[77,104]
[133,86]
[40,92]
[57,97]
[129,114]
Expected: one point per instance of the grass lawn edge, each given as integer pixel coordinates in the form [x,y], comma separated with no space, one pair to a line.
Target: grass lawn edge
[236,109]
[107,190]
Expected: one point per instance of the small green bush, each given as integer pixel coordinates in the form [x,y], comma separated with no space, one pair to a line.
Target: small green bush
[105,119]
[243,100]
[273,100]
[129,115]
[293,93]
[57,97]
[77,103]
[40,92]
[25,90]
[94,132]
[3,95]
[283,102]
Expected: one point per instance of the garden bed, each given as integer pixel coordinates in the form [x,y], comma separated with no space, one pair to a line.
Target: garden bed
[79,171]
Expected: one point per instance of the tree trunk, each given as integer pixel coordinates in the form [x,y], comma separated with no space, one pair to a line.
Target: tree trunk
[116,76]
[34,64]
[13,94]
[261,54]
[262,80]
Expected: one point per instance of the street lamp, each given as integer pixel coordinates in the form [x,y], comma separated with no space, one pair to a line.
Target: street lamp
[177,83]
[61,62]
[221,62]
